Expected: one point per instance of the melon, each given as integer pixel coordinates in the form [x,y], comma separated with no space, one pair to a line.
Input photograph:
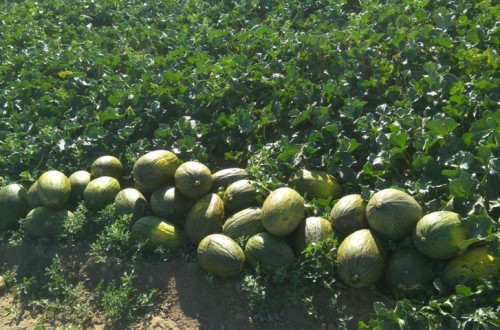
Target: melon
[44,221]
[53,189]
[168,202]
[223,178]
[438,234]
[220,255]
[240,195]
[311,230]
[361,259]
[315,184]
[130,201]
[79,181]
[107,166]
[193,179]
[247,222]
[154,170]
[269,253]
[100,192]
[392,213]
[204,218]
[13,206]
[32,196]
[349,214]
[282,211]
[157,232]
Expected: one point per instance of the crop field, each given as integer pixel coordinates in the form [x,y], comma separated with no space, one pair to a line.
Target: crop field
[364,136]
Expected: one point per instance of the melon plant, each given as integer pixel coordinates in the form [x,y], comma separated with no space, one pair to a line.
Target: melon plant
[193,179]
[247,222]
[44,221]
[349,214]
[154,170]
[223,178]
[13,205]
[269,253]
[282,211]
[53,189]
[157,232]
[101,192]
[204,218]
[168,202]
[392,213]
[79,181]
[240,195]
[220,255]
[310,231]
[107,166]
[361,258]
[438,234]
[130,201]
[315,184]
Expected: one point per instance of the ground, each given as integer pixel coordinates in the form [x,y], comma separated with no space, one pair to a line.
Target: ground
[188,297]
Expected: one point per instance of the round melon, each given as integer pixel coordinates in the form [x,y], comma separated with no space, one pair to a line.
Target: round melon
[193,179]
[205,217]
[157,232]
[167,202]
[247,222]
[107,166]
[32,196]
[100,192]
[46,222]
[130,201]
[408,273]
[240,195]
[392,213]
[221,255]
[13,206]
[79,181]
[349,214]
[54,189]
[223,178]
[438,234]
[154,170]
[361,258]
[472,267]
[282,211]
[315,184]
[268,252]
[310,231]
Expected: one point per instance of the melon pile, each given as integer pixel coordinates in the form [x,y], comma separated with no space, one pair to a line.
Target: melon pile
[234,221]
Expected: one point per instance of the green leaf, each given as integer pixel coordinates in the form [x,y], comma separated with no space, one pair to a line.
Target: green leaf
[464,186]
[442,127]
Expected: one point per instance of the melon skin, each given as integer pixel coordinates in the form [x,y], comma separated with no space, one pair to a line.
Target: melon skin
[107,166]
[204,218]
[240,195]
[223,178]
[193,179]
[247,222]
[220,255]
[154,170]
[392,213]
[349,214]
[438,234]
[13,206]
[169,203]
[310,231]
[47,222]
[79,181]
[315,184]
[158,233]
[282,211]
[270,253]
[101,192]
[131,201]
[53,189]
[32,196]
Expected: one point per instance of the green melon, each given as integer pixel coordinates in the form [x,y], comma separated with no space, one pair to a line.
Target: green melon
[361,258]
[471,268]
[100,192]
[269,253]
[13,206]
[131,201]
[221,255]
[310,231]
[167,202]
[205,217]
[408,273]
[282,211]
[46,222]
[157,232]
[79,181]
[223,178]
[438,234]
[240,195]
[53,189]
[392,213]
[193,179]
[154,170]
[247,222]
[107,166]
[32,196]
[349,214]
[315,184]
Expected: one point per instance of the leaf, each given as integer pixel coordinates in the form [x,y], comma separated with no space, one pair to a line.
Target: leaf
[464,186]
[442,127]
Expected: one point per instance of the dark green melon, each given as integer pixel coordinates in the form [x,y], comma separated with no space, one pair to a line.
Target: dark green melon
[315,184]
[392,213]
[223,178]
[361,259]
[107,166]
[282,211]
[101,192]
[269,253]
[247,222]
[349,214]
[193,179]
[158,233]
[168,202]
[221,255]
[240,195]
[13,206]
[408,273]
[53,189]
[79,181]
[205,217]
[131,201]
[154,170]
[32,196]
[45,221]
[310,231]
[438,234]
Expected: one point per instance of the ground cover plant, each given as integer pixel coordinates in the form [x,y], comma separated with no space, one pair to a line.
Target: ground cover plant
[379,94]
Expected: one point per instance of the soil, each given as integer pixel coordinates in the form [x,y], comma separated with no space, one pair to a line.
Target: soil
[188,297]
